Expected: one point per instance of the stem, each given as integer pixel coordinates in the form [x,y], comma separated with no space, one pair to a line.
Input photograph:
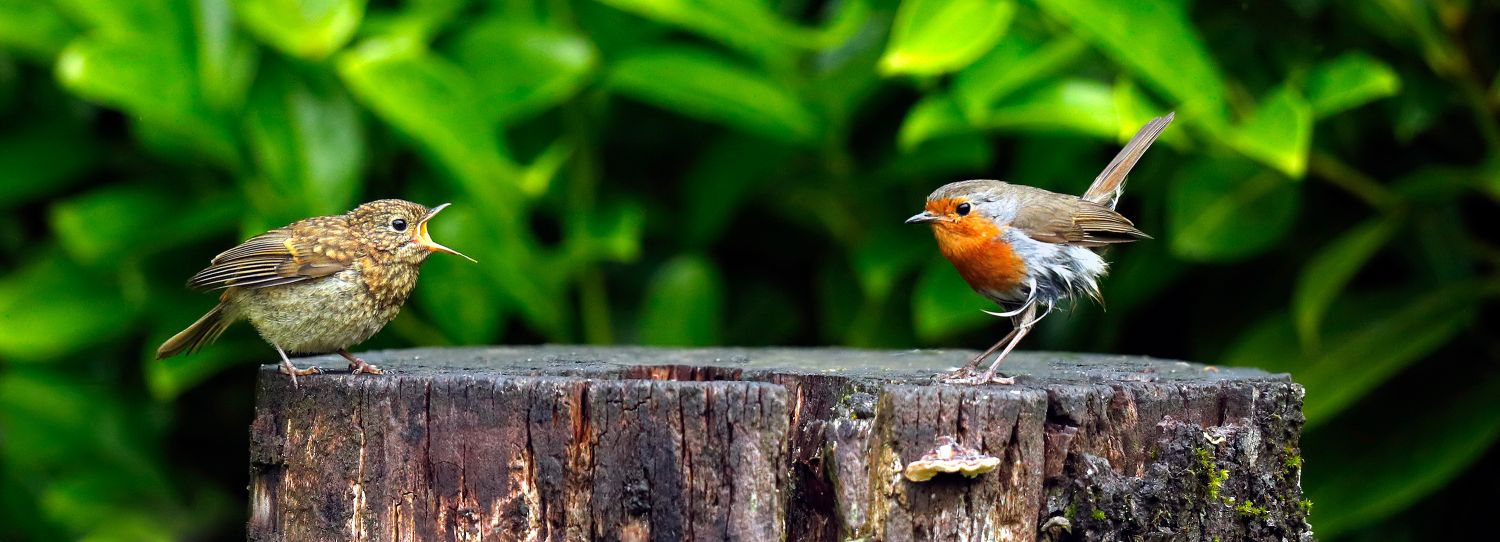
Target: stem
[1328,167]
[593,297]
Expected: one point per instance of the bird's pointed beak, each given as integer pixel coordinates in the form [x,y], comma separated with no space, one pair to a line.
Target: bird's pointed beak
[923,217]
[426,240]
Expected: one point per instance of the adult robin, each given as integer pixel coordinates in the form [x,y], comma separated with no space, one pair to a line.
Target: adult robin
[318,285]
[1023,247]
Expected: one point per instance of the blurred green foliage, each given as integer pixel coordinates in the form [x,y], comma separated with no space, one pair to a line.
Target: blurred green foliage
[736,172]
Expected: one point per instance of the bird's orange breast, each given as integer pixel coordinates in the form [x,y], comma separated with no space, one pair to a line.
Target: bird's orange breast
[985,261]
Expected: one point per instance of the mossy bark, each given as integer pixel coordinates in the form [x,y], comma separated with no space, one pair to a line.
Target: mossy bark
[562,443]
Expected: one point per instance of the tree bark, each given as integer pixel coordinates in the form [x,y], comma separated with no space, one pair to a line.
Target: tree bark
[580,443]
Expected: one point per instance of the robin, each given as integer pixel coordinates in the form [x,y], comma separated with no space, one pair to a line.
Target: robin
[1023,247]
[318,285]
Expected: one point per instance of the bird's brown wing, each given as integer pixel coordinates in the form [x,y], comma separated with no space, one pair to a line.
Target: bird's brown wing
[1073,221]
[280,256]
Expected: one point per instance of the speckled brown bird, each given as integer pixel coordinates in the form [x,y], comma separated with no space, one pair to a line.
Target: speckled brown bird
[318,285]
[1023,247]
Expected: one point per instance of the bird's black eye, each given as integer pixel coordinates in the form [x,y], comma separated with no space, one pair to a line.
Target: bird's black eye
[962,209]
[398,224]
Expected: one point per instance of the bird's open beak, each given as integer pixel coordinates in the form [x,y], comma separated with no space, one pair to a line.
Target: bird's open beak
[426,240]
[923,217]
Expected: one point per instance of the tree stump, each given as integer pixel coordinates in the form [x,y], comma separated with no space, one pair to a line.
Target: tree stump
[583,443]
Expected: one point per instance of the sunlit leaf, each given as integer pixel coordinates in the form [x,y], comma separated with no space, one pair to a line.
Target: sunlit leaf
[1222,209]
[33,28]
[1013,63]
[523,68]
[683,304]
[943,305]
[1069,106]
[434,102]
[1350,81]
[703,84]
[1330,269]
[1279,133]
[751,26]
[51,308]
[307,138]
[311,29]
[1157,42]
[150,80]
[931,37]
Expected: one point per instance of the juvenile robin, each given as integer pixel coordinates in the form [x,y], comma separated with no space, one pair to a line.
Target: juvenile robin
[318,285]
[1024,247]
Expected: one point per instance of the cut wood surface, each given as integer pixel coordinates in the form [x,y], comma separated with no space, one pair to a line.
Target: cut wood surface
[586,443]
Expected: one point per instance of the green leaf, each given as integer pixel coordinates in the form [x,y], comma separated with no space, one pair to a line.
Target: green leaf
[931,37]
[1358,361]
[683,304]
[33,28]
[1069,106]
[39,160]
[709,86]
[226,58]
[752,26]
[943,305]
[611,232]
[52,308]
[1357,482]
[1015,62]
[124,221]
[523,68]
[434,102]
[1349,81]
[1221,210]
[310,29]
[152,80]
[1330,269]
[933,117]
[1157,42]
[307,138]
[1279,133]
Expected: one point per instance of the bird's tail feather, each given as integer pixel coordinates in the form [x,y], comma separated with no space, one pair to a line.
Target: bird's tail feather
[1110,183]
[203,332]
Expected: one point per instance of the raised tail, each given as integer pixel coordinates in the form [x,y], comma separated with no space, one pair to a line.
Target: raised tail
[1110,183]
[206,330]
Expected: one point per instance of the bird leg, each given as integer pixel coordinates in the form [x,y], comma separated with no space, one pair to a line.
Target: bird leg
[1023,326]
[291,370]
[967,371]
[357,366]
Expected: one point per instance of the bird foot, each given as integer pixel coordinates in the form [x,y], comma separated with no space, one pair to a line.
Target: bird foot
[292,371]
[967,376]
[358,366]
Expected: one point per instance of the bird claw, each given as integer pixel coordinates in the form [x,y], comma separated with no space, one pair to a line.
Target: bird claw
[292,371]
[361,366]
[966,376]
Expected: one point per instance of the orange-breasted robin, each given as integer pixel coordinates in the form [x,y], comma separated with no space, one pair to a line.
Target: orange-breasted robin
[1023,247]
[318,285]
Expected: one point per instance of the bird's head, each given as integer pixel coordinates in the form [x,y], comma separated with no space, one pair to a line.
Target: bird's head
[966,210]
[398,227]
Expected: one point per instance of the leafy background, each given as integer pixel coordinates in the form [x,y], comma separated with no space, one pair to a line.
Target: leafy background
[736,172]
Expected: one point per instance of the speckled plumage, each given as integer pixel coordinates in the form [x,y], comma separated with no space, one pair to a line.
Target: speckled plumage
[318,285]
